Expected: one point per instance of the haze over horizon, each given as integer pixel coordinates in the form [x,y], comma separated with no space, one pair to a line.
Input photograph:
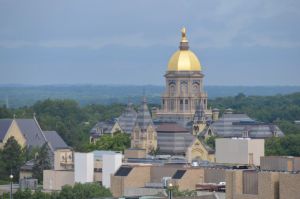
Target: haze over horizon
[93,42]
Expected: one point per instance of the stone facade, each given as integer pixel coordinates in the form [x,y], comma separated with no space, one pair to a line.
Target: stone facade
[199,151]
[63,159]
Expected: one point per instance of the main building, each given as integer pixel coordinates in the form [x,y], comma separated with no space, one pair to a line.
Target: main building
[184,86]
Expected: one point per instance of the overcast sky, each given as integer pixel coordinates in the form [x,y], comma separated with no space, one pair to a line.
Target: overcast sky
[238,42]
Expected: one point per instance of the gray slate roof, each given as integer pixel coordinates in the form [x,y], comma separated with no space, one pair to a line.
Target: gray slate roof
[234,125]
[101,128]
[55,140]
[4,126]
[143,119]
[127,119]
[31,131]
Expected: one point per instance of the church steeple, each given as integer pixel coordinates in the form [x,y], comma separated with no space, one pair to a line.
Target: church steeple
[199,121]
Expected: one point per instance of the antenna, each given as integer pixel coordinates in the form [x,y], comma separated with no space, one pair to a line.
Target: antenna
[7,104]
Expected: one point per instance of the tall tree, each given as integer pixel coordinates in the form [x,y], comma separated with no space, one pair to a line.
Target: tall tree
[42,162]
[12,157]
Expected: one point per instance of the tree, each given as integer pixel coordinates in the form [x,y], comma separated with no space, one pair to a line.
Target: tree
[154,151]
[177,193]
[88,190]
[211,141]
[118,142]
[13,157]
[41,162]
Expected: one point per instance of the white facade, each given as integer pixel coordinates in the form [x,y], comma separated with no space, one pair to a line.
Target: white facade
[110,164]
[84,167]
[239,150]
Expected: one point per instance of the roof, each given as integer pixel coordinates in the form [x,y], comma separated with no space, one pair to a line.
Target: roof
[102,127]
[28,166]
[171,128]
[123,171]
[4,126]
[234,125]
[55,140]
[99,154]
[143,119]
[199,114]
[178,174]
[127,119]
[31,131]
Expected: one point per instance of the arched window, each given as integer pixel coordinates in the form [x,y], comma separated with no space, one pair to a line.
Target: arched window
[172,90]
[184,87]
[196,88]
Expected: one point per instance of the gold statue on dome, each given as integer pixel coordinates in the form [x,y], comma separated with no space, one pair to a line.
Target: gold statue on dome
[183,35]
[183,32]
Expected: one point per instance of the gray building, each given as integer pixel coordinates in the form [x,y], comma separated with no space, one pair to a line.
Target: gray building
[173,139]
[241,125]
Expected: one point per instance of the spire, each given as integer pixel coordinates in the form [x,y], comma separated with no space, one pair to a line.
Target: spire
[143,116]
[199,114]
[184,43]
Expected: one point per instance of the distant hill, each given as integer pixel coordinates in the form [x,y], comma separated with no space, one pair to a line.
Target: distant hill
[20,95]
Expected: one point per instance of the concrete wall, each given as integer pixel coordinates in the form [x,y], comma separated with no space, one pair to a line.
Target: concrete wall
[84,167]
[25,174]
[158,172]
[212,175]
[238,151]
[55,180]
[280,163]
[268,185]
[135,153]
[250,184]
[296,163]
[110,164]
[289,185]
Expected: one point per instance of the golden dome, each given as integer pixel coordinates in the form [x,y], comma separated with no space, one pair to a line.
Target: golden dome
[184,59]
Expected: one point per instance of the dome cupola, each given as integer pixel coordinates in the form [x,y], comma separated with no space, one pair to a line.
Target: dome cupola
[184,59]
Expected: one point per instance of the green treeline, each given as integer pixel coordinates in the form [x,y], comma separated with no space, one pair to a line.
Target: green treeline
[282,110]
[78,191]
[73,122]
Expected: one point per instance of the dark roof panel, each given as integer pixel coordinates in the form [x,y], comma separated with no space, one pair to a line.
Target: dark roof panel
[178,174]
[123,171]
